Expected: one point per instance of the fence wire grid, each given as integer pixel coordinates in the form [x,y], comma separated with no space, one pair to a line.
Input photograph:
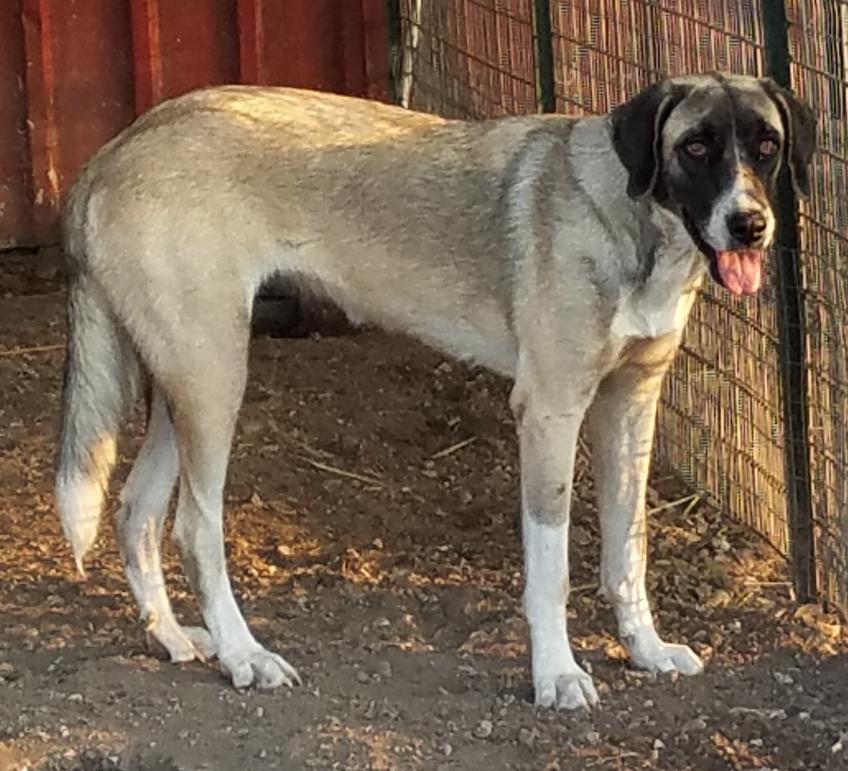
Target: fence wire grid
[721,425]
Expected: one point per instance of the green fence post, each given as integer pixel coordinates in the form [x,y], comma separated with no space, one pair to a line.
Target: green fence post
[543,48]
[792,334]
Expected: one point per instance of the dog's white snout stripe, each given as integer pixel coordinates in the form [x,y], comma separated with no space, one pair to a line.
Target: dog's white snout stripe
[739,198]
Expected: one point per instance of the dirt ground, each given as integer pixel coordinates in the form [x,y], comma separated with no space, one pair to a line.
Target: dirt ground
[373,540]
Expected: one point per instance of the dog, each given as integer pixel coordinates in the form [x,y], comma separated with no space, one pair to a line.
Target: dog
[564,253]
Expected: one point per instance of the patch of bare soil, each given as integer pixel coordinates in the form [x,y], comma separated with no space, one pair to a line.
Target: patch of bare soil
[373,540]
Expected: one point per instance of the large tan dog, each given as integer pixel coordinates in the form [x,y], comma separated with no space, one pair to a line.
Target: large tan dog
[564,253]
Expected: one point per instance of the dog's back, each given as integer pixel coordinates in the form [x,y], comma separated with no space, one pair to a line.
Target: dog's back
[236,183]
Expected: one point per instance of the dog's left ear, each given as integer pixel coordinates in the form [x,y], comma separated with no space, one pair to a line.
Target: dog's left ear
[637,127]
[799,126]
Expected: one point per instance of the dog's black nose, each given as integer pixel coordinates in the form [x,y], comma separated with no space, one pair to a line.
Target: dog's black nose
[747,227]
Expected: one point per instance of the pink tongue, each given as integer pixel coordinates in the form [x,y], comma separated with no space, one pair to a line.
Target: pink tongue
[741,271]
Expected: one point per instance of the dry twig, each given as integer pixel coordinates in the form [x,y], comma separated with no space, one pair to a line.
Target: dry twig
[342,473]
[611,759]
[453,448]
[690,499]
[32,349]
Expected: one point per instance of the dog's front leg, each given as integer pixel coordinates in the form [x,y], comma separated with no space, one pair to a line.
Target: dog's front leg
[621,426]
[548,441]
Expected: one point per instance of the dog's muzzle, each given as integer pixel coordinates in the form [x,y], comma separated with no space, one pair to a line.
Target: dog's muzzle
[739,271]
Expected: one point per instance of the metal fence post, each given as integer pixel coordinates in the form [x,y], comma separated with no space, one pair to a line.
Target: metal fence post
[543,48]
[792,333]
[394,31]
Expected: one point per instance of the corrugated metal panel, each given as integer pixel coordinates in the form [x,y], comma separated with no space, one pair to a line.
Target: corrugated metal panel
[74,72]
[78,89]
[180,46]
[15,190]
[323,44]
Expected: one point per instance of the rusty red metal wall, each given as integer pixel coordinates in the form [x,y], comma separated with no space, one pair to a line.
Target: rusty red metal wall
[15,187]
[73,73]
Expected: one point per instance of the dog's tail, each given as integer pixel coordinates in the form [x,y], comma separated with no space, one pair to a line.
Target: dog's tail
[101,380]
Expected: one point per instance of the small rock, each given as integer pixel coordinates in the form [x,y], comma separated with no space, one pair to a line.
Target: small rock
[762,713]
[783,678]
[658,744]
[362,677]
[721,543]
[384,669]
[696,724]
[390,712]
[528,737]
[719,599]
[484,729]
[580,536]
[446,750]
[593,737]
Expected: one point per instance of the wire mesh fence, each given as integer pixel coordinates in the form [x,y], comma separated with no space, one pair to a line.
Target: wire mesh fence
[471,59]
[722,425]
[818,42]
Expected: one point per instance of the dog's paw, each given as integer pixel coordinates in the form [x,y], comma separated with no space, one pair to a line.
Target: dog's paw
[259,667]
[182,643]
[649,652]
[570,688]
[201,641]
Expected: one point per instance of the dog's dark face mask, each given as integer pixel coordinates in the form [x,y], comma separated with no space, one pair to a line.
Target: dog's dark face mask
[709,148]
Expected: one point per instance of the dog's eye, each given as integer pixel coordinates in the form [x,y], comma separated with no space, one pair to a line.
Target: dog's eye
[696,148]
[768,147]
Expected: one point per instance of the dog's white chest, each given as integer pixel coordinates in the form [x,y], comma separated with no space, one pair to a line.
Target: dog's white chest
[647,317]
[661,306]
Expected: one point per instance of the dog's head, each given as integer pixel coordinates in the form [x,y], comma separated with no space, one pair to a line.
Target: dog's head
[709,148]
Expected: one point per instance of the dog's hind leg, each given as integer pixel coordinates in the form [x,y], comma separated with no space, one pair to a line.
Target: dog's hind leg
[205,385]
[622,429]
[144,506]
